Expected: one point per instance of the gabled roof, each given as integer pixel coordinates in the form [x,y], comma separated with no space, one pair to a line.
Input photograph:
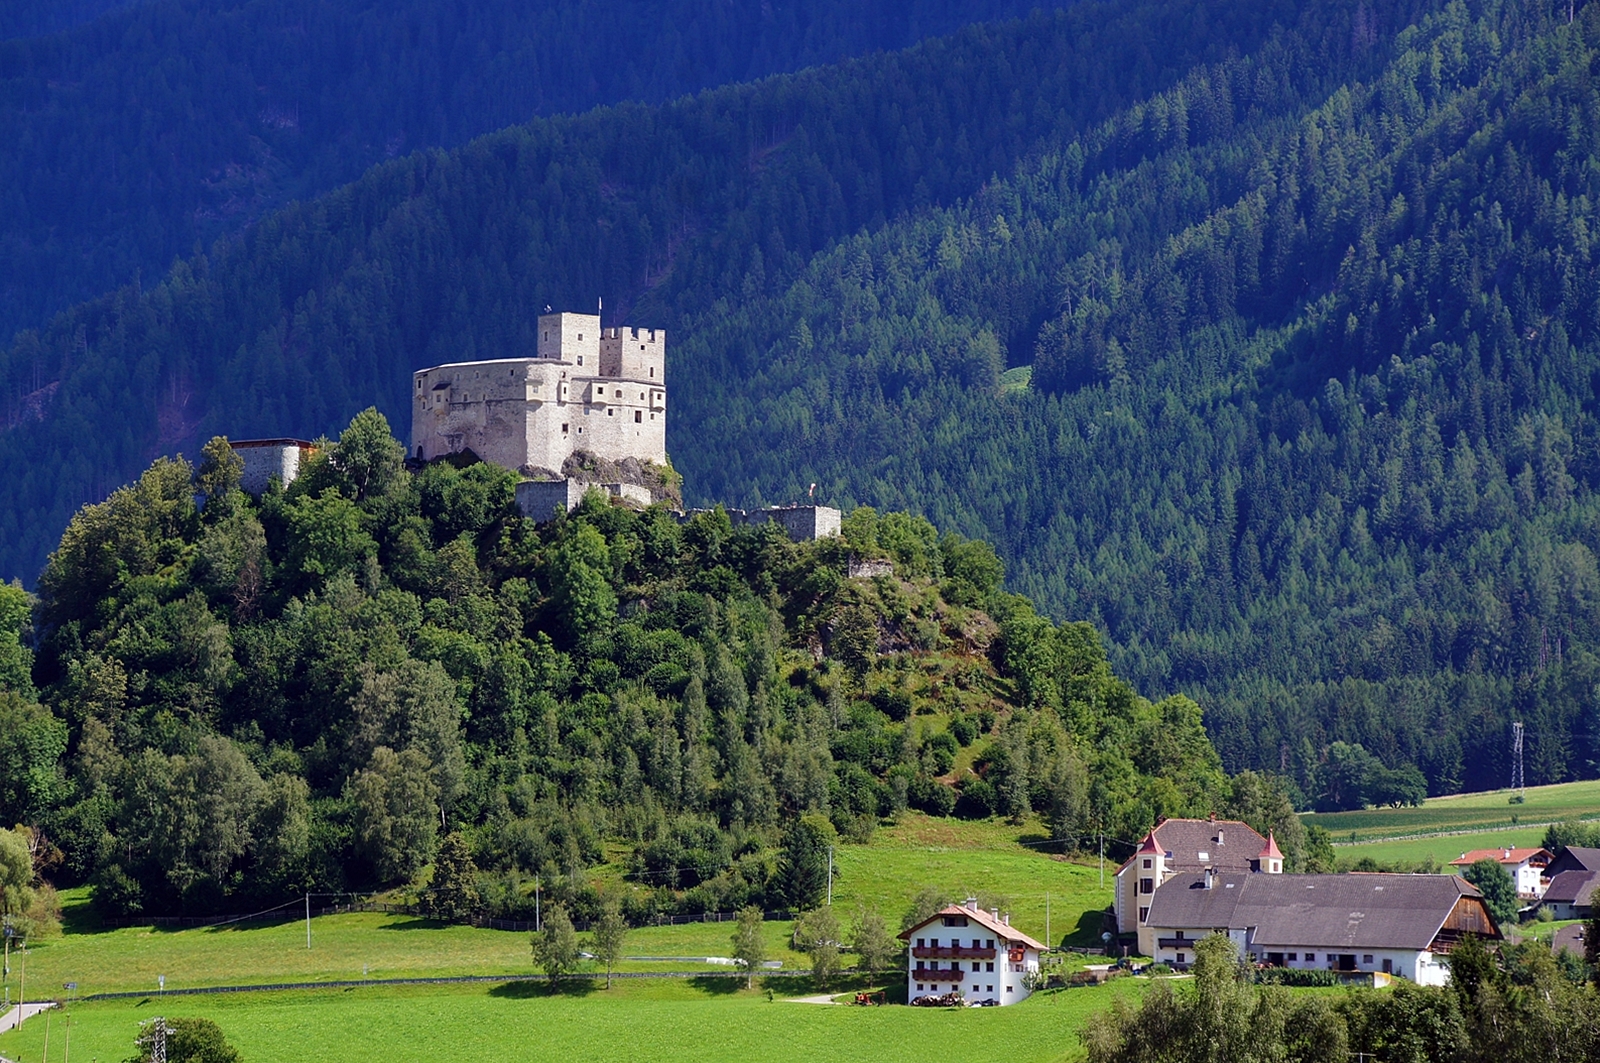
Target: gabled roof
[248,444]
[1196,844]
[1004,931]
[1569,938]
[1315,911]
[1509,857]
[1575,858]
[1572,887]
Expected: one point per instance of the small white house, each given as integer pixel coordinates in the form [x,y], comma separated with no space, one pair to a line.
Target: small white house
[1528,867]
[967,950]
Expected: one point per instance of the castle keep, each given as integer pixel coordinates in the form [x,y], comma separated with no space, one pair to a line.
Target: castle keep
[602,391]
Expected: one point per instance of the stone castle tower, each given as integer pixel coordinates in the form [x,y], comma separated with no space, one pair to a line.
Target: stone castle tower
[591,389]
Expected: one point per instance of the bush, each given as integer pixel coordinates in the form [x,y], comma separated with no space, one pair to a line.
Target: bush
[964,730]
[934,798]
[1290,976]
[1157,969]
[977,800]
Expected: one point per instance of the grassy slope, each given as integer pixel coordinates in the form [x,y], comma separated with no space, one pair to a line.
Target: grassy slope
[1476,813]
[652,1020]
[953,856]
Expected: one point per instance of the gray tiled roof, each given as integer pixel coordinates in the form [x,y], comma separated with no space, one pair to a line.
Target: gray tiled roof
[1569,938]
[1572,887]
[1326,911]
[1575,858]
[1228,844]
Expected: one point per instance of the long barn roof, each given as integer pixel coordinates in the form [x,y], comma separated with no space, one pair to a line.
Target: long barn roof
[1330,911]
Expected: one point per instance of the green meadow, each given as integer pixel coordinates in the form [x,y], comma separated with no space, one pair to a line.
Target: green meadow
[991,860]
[1474,816]
[653,1020]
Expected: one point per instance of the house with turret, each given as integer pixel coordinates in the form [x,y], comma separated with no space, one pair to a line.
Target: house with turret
[1184,846]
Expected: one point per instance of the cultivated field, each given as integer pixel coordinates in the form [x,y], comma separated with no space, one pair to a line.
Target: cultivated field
[1475,814]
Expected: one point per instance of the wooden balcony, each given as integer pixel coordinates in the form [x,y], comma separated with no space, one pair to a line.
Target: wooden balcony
[1176,943]
[928,974]
[947,952]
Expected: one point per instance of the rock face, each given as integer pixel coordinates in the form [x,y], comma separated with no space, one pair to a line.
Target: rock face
[663,483]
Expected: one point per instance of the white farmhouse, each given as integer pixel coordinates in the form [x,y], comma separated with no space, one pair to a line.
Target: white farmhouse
[967,950]
[1390,924]
[1527,867]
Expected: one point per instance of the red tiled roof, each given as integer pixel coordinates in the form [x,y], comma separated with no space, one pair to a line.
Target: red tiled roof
[1502,855]
[1005,931]
[1271,852]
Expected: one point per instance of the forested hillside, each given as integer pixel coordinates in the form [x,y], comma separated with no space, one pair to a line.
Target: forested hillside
[152,130]
[1308,300]
[242,700]
[326,307]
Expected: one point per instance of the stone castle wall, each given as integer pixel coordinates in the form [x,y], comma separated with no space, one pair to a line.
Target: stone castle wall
[602,394]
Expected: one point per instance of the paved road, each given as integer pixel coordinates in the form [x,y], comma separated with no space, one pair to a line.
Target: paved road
[13,1018]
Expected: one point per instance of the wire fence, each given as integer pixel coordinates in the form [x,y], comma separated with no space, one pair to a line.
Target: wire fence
[293,910]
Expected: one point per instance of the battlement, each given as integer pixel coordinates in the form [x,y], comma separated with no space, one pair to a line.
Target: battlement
[585,388]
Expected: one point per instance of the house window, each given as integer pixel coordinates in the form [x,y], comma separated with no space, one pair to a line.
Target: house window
[1311,957]
[919,987]
[1388,966]
[988,989]
[1147,885]
[1011,989]
[1293,956]
[1144,913]
[988,968]
[955,920]
[1366,957]
[1180,957]
[919,943]
[1147,863]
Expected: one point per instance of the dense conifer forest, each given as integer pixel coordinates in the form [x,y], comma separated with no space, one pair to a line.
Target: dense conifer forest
[235,700]
[1265,344]
[145,134]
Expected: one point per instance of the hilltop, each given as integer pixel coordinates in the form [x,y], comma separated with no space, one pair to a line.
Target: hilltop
[247,699]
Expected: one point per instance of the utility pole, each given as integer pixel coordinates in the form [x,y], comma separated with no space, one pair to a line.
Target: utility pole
[1047,938]
[1517,783]
[1102,859]
[308,920]
[537,925]
[830,876]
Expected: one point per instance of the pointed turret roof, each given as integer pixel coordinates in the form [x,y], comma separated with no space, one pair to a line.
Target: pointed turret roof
[1150,845]
[1271,852]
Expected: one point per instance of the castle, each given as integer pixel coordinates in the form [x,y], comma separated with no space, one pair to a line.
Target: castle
[592,394]
[601,391]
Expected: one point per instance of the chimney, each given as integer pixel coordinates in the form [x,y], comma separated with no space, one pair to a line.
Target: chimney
[972,904]
[1209,878]
[994,913]
[1007,918]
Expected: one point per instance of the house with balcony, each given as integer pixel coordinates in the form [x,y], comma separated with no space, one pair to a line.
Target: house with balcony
[1529,868]
[1402,925]
[964,949]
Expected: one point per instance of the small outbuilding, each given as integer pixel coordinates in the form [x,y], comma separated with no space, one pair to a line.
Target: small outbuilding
[978,954]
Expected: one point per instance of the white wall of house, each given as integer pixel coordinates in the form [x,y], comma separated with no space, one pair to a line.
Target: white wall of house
[1176,947]
[1529,879]
[987,968]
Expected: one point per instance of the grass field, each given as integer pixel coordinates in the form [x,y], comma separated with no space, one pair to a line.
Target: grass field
[1478,814]
[956,857]
[1443,847]
[519,1022]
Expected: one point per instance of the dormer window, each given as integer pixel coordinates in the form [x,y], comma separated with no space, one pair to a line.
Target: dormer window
[1203,856]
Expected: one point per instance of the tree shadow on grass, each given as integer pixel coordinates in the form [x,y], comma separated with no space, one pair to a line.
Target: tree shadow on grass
[414,924]
[530,989]
[721,985]
[1086,934]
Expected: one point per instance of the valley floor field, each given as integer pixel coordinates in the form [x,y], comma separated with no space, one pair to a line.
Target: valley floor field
[1459,822]
[634,1021]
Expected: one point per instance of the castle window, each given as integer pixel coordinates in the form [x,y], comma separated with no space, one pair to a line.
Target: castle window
[637,416]
[652,370]
[563,429]
[610,411]
[580,357]
[580,337]
[641,346]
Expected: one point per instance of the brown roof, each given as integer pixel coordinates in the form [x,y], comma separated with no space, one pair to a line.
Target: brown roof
[1005,931]
[1196,844]
[1505,855]
[1571,887]
[241,444]
[1326,911]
